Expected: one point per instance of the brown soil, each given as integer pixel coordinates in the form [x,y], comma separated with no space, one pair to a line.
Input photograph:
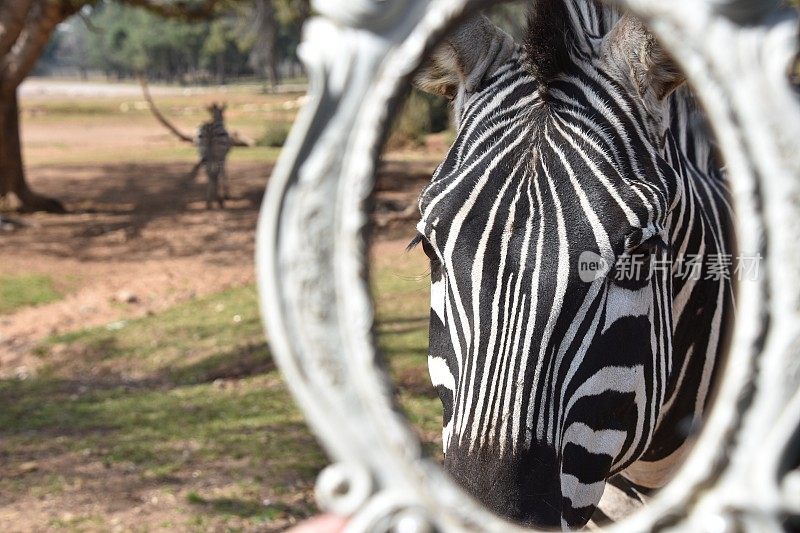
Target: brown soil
[137,239]
[141,232]
[133,232]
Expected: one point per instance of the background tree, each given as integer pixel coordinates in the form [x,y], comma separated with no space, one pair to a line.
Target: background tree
[272,33]
[25,30]
[290,14]
[264,57]
[133,40]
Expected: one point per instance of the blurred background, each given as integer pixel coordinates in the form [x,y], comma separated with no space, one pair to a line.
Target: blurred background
[137,390]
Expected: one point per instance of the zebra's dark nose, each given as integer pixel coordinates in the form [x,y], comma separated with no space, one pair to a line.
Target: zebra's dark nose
[522,488]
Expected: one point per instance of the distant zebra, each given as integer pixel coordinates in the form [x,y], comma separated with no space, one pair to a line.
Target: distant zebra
[560,364]
[213,143]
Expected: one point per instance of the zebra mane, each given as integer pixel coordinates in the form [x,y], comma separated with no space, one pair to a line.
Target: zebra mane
[560,29]
[548,40]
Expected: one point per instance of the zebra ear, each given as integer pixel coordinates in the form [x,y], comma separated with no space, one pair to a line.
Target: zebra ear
[471,53]
[634,50]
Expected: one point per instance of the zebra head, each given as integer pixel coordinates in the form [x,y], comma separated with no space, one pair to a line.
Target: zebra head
[217,112]
[560,335]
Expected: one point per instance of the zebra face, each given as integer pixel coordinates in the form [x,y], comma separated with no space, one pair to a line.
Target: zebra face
[217,112]
[551,227]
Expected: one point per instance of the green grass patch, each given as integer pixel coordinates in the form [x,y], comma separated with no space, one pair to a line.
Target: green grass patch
[163,432]
[201,340]
[184,394]
[192,394]
[240,507]
[420,115]
[26,290]
[275,134]
[401,287]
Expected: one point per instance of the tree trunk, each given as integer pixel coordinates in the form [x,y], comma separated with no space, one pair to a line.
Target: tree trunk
[274,72]
[221,68]
[264,55]
[32,22]
[12,171]
[270,29]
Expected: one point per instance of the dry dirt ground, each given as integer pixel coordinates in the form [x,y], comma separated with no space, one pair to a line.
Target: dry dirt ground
[138,239]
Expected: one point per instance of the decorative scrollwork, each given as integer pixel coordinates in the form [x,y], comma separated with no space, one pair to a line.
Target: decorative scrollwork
[343,489]
[312,275]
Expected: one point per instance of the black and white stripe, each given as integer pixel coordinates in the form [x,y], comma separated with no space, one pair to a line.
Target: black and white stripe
[213,144]
[551,384]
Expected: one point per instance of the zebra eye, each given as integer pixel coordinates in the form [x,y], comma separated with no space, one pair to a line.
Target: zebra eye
[426,247]
[648,247]
[636,266]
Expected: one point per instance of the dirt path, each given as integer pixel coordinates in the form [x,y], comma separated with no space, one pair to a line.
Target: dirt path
[138,239]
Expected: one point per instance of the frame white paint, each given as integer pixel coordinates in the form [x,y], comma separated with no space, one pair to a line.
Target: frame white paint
[312,272]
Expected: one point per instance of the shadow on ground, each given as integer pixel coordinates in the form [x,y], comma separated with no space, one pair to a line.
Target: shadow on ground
[176,418]
[144,211]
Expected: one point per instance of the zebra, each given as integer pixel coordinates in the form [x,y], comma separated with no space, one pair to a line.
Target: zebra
[577,153]
[213,144]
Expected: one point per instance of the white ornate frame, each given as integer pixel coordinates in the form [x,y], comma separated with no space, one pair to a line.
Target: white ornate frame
[312,272]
